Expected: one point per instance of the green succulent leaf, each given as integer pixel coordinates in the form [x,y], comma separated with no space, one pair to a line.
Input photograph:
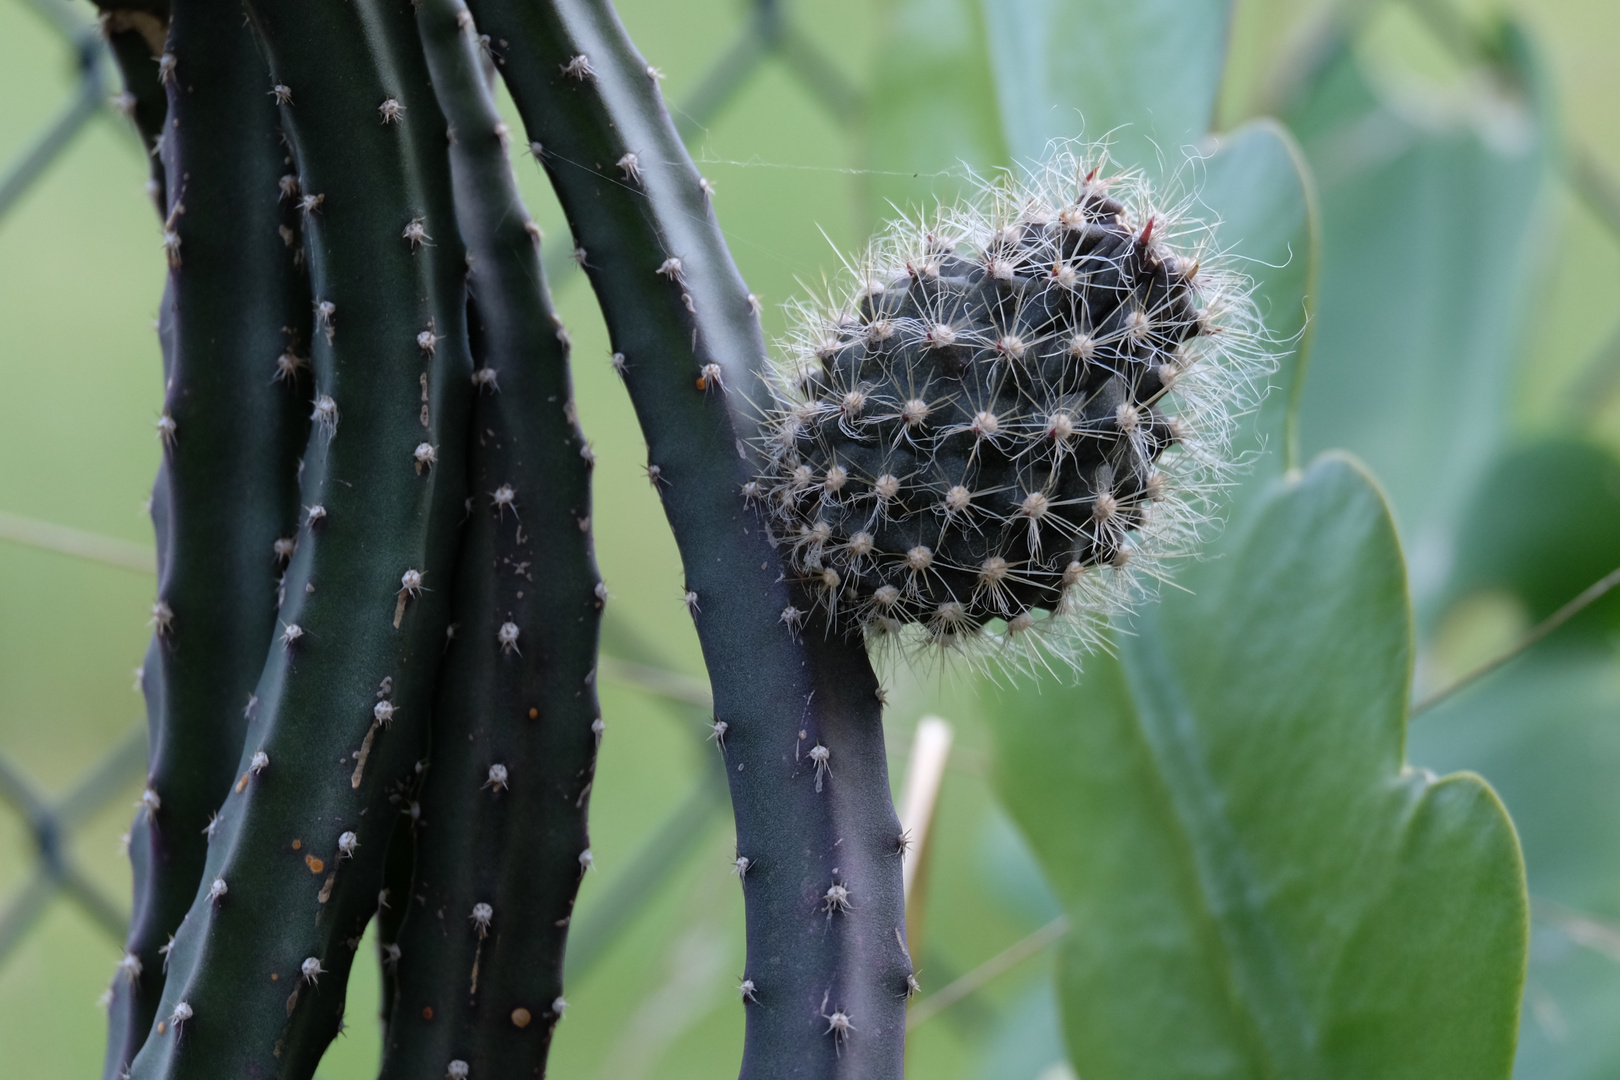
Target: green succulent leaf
[1545,730]
[1259,886]
[1430,235]
[1143,74]
[1545,733]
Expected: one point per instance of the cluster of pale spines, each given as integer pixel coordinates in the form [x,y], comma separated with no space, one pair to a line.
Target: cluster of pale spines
[1010,420]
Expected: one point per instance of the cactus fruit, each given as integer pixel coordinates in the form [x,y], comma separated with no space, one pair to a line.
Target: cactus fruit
[228,489]
[479,962]
[258,969]
[693,358]
[1020,406]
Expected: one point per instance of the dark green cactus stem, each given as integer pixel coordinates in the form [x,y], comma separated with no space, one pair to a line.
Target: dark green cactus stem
[804,748]
[503,844]
[231,435]
[135,35]
[258,971]
[123,1038]
[393,899]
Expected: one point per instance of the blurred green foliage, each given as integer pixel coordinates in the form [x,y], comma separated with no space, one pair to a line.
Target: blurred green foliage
[1144,75]
[1419,320]
[1465,304]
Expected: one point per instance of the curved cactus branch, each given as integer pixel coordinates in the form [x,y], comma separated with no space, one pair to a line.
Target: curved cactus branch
[228,488]
[258,969]
[136,36]
[502,844]
[804,745]
[127,1023]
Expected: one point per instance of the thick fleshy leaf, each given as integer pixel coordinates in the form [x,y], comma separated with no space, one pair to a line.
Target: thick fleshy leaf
[1143,74]
[1258,885]
[1545,730]
[1430,237]
[931,113]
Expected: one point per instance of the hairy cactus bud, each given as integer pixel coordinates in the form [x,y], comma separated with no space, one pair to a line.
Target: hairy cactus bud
[1019,405]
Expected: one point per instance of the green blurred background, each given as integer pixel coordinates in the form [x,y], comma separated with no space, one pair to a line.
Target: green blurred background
[803,150]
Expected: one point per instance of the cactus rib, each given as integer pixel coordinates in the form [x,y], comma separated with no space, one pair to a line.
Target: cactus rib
[126,1027]
[135,36]
[228,488]
[804,743]
[259,966]
[503,831]
[393,899]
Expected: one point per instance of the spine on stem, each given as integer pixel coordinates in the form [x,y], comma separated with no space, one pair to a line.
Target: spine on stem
[259,966]
[503,841]
[828,970]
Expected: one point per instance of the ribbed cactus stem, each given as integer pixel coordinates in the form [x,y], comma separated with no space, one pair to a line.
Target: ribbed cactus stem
[228,490]
[503,843]
[136,35]
[393,899]
[126,1027]
[804,744]
[258,969]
